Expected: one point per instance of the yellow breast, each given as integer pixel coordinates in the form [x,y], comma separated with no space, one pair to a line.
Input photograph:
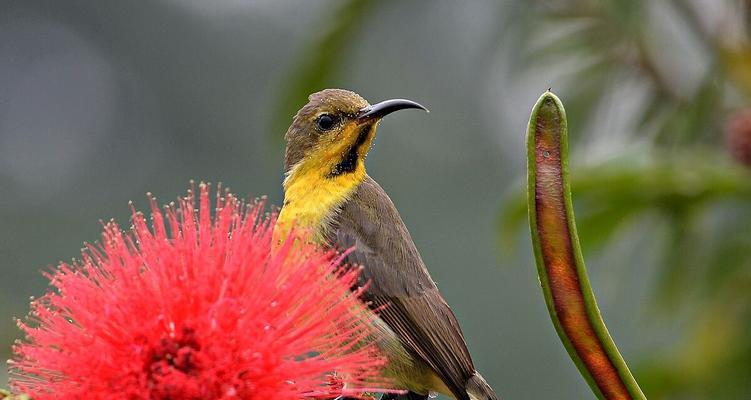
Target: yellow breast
[312,200]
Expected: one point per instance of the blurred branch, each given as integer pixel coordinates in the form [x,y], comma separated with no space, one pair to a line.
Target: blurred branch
[321,61]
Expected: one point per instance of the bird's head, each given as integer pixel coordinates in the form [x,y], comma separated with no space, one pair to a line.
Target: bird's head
[331,135]
[325,157]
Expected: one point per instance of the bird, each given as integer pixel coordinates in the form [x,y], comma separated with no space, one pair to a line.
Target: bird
[328,192]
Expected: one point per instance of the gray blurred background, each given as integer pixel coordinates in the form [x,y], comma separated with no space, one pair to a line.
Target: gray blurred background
[103,101]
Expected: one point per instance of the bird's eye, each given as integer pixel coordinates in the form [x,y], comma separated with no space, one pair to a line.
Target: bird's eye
[326,122]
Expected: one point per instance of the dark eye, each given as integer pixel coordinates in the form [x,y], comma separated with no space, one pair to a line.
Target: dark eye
[325,122]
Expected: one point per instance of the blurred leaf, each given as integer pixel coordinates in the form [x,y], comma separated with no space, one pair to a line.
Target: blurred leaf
[599,226]
[607,195]
[712,361]
[693,119]
[321,60]
[737,61]
[513,214]
[614,38]
[731,261]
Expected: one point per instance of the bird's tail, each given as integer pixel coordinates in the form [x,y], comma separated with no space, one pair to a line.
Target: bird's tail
[478,389]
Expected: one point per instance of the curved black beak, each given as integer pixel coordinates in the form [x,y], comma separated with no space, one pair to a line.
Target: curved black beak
[380,110]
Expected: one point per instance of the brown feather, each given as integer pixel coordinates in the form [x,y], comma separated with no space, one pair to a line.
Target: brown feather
[413,307]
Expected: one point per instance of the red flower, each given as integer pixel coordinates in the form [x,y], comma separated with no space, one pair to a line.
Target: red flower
[197,307]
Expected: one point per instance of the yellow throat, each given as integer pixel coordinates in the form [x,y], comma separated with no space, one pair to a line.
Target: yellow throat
[313,194]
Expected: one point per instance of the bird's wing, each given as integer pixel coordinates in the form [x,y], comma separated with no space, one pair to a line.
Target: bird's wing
[411,304]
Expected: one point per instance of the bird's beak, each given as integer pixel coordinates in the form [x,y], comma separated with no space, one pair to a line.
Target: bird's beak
[380,110]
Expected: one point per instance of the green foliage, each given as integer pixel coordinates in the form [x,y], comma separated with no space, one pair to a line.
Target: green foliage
[609,41]
[682,179]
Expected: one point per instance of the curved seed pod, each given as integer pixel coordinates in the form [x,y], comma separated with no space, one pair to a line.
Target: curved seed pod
[560,265]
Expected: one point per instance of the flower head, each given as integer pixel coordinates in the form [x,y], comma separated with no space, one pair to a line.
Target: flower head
[198,307]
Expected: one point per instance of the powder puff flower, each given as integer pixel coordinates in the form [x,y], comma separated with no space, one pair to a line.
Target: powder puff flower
[195,306]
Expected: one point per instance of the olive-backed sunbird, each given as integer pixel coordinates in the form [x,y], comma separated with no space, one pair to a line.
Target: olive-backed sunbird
[328,192]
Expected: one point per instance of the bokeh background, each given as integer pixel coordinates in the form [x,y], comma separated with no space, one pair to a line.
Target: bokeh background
[103,101]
